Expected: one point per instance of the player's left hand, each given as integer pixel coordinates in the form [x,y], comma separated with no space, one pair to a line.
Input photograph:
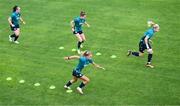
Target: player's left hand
[88,25]
[66,58]
[24,22]
[103,68]
[151,41]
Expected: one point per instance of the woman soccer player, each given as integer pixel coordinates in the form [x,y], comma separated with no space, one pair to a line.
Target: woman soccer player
[14,24]
[144,44]
[84,60]
[76,25]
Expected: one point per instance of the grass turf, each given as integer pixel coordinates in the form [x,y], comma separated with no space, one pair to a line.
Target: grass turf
[116,26]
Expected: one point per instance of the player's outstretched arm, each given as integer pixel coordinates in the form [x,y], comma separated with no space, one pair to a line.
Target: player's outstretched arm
[87,24]
[22,20]
[71,57]
[72,25]
[98,66]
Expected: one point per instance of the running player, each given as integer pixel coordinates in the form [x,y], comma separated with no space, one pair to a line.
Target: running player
[14,24]
[144,44]
[83,61]
[76,25]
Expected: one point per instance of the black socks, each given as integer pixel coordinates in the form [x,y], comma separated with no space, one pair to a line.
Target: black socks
[79,44]
[135,53]
[69,83]
[149,58]
[13,35]
[81,85]
[16,38]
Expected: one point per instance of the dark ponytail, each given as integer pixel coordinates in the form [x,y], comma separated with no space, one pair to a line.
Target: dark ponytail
[15,8]
[87,53]
[82,13]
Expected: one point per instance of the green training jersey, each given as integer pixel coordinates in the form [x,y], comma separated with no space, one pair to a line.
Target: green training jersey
[15,17]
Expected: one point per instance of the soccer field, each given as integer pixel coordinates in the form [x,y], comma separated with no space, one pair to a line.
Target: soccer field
[116,26]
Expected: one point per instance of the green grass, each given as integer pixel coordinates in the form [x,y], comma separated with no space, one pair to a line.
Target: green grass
[116,26]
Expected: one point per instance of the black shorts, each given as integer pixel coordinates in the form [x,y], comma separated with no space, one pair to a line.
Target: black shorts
[15,27]
[77,74]
[142,46]
[79,32]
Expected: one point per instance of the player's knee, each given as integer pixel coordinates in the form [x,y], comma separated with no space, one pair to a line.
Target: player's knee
[141,54]
[17,33]
[87,80]
[150,51]
[80,40]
